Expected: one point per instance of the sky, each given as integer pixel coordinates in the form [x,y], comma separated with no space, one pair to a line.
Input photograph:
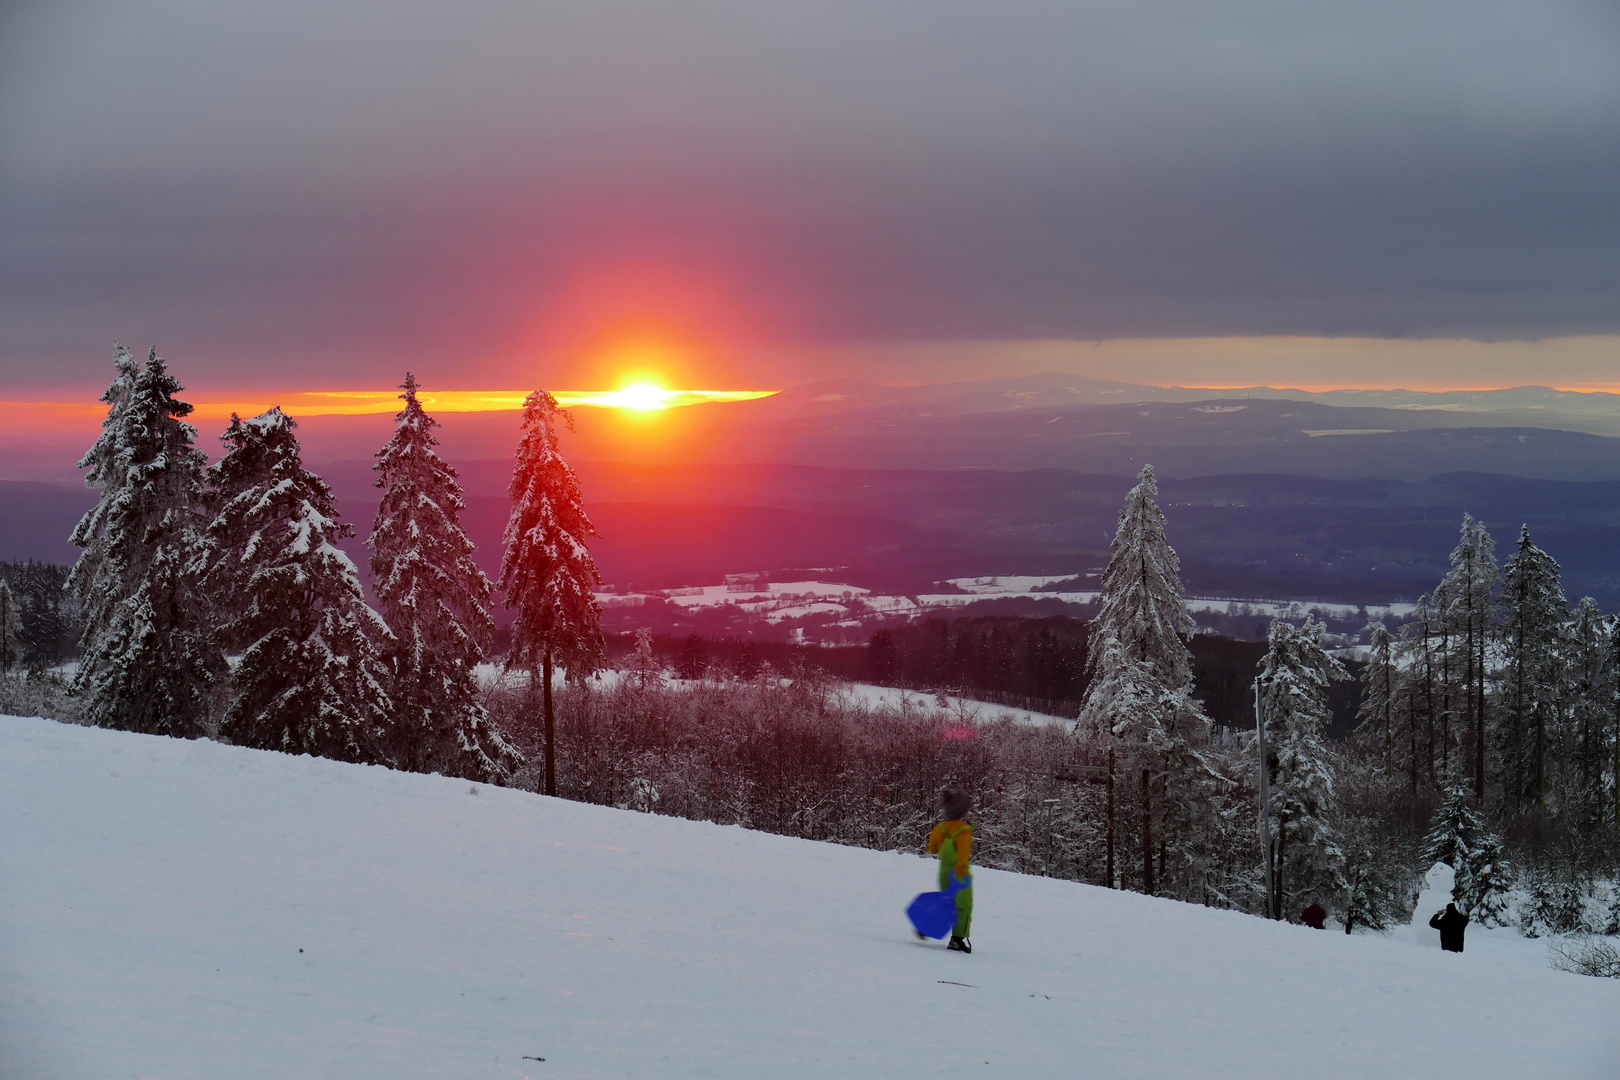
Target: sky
[753,194]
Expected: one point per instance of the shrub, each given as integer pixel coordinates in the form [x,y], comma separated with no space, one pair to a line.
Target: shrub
[1587,955]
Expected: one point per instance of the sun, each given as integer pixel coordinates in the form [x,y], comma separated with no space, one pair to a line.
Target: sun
[644,396]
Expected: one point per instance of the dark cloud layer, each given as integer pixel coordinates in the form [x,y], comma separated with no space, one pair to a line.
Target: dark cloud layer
[313,184]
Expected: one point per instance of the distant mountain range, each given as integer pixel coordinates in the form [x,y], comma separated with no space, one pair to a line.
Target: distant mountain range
[899,531]
[1344,495]
[1596,412]
[1083,425]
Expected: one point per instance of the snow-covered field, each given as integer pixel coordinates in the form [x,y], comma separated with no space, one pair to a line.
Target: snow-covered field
[783,601]
[894,697]
[185,909]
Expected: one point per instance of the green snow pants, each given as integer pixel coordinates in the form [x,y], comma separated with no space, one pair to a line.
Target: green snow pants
[964,897]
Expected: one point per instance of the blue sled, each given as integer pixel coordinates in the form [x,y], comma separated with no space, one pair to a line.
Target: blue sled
[934,913]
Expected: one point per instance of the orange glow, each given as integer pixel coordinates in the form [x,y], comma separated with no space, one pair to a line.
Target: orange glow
[643,396]
[640,396]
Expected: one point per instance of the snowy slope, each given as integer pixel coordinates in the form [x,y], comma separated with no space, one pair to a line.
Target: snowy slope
[895,697]
[155,894]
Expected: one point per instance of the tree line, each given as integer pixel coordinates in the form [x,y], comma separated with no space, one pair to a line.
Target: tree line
[185,563]
[1489,733]
[40,621]
[1496,683]
[216,602]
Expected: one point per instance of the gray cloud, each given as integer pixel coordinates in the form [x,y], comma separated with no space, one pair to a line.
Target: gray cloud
[325,183]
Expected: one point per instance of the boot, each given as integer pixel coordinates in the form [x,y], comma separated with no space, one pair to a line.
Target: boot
[960,944]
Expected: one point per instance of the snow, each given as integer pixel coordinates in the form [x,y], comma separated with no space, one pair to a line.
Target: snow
[155,894]
[1000,586]
[784,601]
[714,595]
[894,697]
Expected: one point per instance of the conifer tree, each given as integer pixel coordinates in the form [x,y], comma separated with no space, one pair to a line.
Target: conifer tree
[1143,608]
[1468,594]
[547,573]
[11,642]
[1141,688]
[49,613]
[1294,680]
[1459,838]
[435,600]
[1371,891]
[151,661]
[1533,618]
[311,679]
[644,666]
[1554,906]
[1380,681]
[1421,679]
[1490,881]
[1590,692]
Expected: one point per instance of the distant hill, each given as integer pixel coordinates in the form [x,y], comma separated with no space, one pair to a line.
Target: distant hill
[35,520]
[1263,534]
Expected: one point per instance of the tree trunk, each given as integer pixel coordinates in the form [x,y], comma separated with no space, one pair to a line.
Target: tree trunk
[1518,716]
[1445,701]
[1388,672]
[1147,834]
[1112,883]
[551,729]
[1412,734]
[1479,712]
[1275,900]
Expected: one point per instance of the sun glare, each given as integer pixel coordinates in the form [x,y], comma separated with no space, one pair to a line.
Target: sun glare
[643,396]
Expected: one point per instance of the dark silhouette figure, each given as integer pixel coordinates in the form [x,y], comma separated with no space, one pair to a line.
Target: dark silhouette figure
[1451,923]
[1314,916]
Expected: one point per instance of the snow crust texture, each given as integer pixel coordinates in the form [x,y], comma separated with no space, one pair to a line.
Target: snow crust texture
[155,895]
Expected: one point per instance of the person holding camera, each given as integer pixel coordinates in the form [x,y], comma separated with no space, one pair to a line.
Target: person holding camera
[1451,923]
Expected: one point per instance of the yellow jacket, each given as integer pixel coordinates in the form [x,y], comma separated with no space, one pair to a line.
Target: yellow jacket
[963,833]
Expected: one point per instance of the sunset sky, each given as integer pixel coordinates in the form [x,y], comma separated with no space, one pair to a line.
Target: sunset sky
[305,196]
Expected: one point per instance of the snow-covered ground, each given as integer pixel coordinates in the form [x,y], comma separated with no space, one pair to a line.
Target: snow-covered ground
[784,601]
[190,910]
[966,708]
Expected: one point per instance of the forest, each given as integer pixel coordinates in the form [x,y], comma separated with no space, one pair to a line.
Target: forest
[211,601]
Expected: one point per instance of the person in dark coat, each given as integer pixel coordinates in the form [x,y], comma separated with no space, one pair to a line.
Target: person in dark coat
[1451,923]
[1314,916]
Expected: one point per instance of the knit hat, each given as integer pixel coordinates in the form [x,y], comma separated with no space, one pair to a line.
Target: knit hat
[957,803]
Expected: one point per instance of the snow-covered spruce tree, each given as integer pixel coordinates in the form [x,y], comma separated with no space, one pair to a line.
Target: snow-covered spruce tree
[547,573]
[1380,681]
[1583,748]
[1554,905]
[1141,689]
[11,631]
[1459,838]
[435,600]
[1418,661]
[49,613]
[151,659]
[1612,738]
[312,678]
[1534,613]
[1306,855]
[1490,881]
[1468,594]
[644,666]
[1371,896]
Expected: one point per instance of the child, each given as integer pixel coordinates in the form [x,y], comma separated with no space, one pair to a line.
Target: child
[952,841]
